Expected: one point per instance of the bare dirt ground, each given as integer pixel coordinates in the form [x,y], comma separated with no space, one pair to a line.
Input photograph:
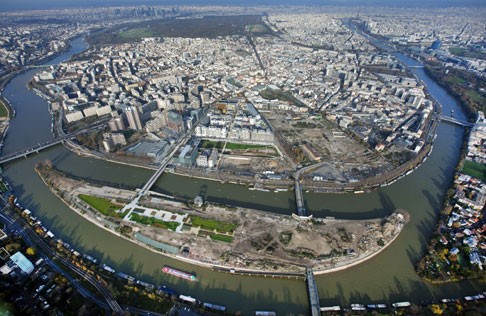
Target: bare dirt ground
[342,153]
[262,241]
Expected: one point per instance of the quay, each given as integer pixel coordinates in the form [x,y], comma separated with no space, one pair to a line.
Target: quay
[283,275]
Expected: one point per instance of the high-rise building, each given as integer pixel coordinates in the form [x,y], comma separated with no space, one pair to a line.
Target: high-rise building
[133,118]
[116,124]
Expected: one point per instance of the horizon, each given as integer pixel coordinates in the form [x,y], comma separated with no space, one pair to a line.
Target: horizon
[26,5]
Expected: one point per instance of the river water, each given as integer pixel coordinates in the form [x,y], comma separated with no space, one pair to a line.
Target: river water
[388,277]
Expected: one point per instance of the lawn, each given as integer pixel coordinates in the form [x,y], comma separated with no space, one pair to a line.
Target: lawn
[211,224]
[257,28]
[457,80]
[235,146]
[223,238]
[270,94]
[468,52]
[102,205]
[3,109]
[474,169]
[210,144]
[136,33]
[146,220]
[3,187]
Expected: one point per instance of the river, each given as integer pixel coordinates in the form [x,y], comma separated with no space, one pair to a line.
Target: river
[388,277]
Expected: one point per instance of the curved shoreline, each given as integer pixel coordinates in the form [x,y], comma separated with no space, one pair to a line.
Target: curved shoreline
[424,154]
[359,261]
[210,265]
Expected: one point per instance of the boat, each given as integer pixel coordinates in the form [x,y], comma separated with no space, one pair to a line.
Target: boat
[265,313]
[335,308]
[376,306]
[188,299]
[179,273]
[358,307]
[214,307]
[401,304]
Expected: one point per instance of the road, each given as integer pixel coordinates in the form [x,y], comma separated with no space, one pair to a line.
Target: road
[45,251]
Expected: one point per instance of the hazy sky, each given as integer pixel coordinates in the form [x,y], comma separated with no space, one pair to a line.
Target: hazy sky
[48,4]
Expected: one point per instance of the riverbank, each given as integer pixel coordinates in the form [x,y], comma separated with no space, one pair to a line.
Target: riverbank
[5,116]
[457,246]
[278,244]
[464,87]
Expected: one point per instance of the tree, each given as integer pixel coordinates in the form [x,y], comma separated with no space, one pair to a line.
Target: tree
[436,309]
[30,251]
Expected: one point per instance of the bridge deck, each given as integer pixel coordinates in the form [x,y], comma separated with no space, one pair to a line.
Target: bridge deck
[29,151]
[299,199]
[455,121]
[313,294]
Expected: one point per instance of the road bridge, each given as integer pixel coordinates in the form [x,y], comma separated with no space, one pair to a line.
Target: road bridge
[163,165]
[299,198]
[312,291]
[28,151]
[453,120]
[37,148]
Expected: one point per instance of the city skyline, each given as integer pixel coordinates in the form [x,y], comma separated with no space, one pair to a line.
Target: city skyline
[10,5]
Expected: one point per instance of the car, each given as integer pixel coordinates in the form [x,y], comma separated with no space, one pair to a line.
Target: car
[40,288]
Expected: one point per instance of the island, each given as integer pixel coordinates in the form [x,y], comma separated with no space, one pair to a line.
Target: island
[226,238]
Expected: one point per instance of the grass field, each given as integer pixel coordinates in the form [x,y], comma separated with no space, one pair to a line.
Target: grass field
[146,220]
[235,146]
[210,144]
[136,33]
[3,187]
[211,224]
[206,27]
[258,28]
[474,169]
[3,109]
[281,95]
[468,52]
[221,237]
[104,206]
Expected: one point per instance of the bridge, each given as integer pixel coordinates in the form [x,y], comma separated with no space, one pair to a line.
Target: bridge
[28,151]
[299,198]
[39,66]
[312,291]
[453,120]
[417,67]
[163,165]
[37,148]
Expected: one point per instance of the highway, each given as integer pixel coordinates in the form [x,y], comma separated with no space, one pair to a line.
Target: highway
[45,251]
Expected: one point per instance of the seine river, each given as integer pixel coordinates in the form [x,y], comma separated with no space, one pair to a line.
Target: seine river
[388,277]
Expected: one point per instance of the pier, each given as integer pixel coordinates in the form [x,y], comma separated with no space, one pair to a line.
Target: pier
[264,274]
[313,294]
